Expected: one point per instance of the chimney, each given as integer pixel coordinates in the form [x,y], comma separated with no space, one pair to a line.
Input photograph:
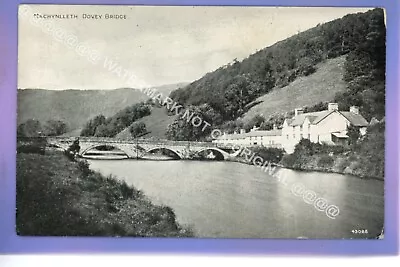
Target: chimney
[242,131]
[298,111]
[333,106]
[354,109]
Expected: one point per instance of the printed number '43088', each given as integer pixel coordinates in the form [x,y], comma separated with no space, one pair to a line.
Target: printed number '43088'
[360,231]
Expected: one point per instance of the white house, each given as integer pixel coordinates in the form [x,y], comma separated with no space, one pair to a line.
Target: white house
[264,138]
[328,126]
[235,139]
[253,138]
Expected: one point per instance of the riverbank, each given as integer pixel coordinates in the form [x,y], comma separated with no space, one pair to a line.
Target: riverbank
[60,197]
[347,165]
[351,165]
[364,159]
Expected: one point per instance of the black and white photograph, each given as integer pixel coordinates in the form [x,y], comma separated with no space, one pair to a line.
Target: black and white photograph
[201,122]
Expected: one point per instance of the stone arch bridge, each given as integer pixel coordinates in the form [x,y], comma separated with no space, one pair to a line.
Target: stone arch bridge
[138,148]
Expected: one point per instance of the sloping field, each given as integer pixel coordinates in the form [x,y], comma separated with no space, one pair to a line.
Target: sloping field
[304,91]
[156,124]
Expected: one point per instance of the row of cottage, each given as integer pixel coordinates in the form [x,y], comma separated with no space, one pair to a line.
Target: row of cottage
[327,126]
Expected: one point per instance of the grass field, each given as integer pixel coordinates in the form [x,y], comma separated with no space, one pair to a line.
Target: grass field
[304,91]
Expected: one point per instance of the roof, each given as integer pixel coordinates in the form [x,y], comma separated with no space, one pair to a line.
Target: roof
[354,118]
[340,135]
[289,121]
[316,117]
[277,132]
[232,136]
[313,117]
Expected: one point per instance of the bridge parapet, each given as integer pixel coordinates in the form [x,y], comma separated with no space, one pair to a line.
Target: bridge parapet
[133,141]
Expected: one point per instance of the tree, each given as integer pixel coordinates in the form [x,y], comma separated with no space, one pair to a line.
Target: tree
[274,120]
[92,125]
[256,121]
[55,127]
[30,128]
[317,107]
[137,129]
[102,127]
[353,132]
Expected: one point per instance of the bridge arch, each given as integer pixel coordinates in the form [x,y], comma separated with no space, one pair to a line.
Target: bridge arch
[166,148]
[127,152]
[221,152]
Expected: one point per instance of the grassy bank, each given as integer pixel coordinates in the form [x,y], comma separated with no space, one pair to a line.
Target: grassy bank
[365,159]
[350,164]
[59,197]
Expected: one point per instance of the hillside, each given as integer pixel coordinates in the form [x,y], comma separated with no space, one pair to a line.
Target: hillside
[156,124]
[231,88]
[76,107]
[320,86]
[343,61]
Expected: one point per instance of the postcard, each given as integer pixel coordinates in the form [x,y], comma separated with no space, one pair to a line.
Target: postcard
[201,122]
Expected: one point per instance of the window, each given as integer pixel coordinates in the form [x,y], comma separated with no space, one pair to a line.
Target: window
[301,127]
[294,136]
[287,136]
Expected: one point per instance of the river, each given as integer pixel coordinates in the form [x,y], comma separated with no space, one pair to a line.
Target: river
[235,200]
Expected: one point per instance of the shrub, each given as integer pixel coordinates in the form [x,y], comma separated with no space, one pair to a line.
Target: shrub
[342,164]
[288,160]
[83,166]
[325,161]
[31,145]
[269,154]
[126,190]
[307,70]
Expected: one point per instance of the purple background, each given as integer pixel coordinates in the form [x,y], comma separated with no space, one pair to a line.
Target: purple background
[11,243]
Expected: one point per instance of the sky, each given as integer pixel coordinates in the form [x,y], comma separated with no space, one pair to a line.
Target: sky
[152,46]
